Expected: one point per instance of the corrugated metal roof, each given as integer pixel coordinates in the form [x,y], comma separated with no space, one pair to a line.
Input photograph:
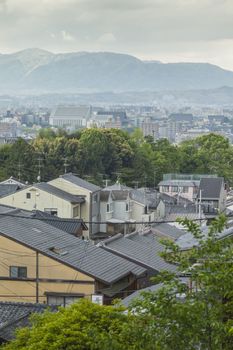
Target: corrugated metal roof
[80,182]
[81,255]
[143,249]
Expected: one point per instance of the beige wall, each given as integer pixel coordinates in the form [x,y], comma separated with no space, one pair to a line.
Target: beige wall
[14,254]
[39,200]
[76,190]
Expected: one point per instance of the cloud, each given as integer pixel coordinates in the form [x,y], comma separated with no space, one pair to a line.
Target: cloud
[67,36]
[170,29]
[106,38]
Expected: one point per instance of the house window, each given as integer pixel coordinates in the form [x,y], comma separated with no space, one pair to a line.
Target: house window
[95,198]
[18,272]
[109,207]
[165,188]
[127,206]
[62,300]
[28,195]
[185,189]
[51,211]
[76,211]
[174,189]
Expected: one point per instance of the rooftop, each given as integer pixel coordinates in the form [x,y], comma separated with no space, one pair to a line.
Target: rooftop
[16,315]
[81,255]
[211,188]
[80,182]
[44,186]
[144,249]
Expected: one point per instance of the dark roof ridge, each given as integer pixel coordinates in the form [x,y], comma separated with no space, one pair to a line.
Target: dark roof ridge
[111,239]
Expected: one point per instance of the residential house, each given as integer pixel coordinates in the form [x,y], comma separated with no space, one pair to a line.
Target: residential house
[212,195]
[66,197]
[142,248]
[91,207]
[182,188]
[121,207]
[40,263]
[47,198]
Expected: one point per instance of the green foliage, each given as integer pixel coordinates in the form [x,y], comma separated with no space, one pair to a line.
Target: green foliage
[112,153]
[196,317]
[176,316]
[81,326]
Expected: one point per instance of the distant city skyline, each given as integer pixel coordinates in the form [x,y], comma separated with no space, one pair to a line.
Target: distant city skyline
[164,30]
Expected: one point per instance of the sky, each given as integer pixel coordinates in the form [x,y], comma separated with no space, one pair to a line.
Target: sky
[164,30]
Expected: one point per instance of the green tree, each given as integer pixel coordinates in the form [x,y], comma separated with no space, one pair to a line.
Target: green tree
[183,318]
[82,326]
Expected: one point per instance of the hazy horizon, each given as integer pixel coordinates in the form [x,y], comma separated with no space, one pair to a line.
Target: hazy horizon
[114,52]
[161,30]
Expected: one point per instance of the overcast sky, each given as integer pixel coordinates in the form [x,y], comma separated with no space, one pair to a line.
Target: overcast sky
[166,30]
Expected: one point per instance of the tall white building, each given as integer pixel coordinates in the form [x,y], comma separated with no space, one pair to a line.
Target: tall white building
[70,117]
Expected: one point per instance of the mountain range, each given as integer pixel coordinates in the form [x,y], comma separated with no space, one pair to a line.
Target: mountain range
[38,70]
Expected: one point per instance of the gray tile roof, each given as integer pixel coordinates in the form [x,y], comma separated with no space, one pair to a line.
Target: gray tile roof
[6,189]
[67,225]
[78,254]
[154,288]
[80,182]
[166,230]
[59,193]
[210,187]
[16,315]
[142,249]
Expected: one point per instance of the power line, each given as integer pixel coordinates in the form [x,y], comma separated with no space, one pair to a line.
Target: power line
[59,219]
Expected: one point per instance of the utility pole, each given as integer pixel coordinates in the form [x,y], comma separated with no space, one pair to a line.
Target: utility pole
[200,204]
[39,169]
[19,170]
[66,164]
[37,277]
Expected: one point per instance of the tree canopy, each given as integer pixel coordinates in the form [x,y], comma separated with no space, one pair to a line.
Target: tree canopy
[100,154]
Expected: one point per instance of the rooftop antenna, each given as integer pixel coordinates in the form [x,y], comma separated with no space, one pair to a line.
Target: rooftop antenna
[135,184]
[65,164]
[106,182]
[39,169]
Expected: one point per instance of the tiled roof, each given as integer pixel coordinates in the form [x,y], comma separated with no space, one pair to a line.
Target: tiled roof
[142,249]
[67,225]
[76,253]
[7,189]
[59,193]
[16,315]
[210,187]
[80,182]
[154,288]
[167,230]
